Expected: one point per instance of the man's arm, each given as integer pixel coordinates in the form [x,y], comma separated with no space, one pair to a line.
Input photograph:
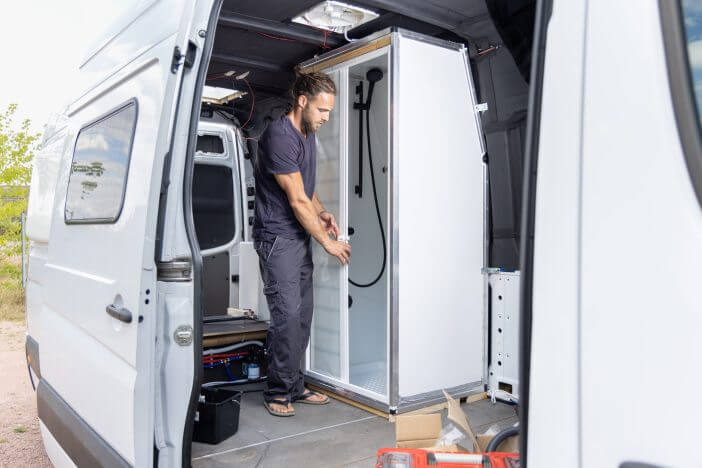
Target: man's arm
[317,204]
[306,212]
[327,219]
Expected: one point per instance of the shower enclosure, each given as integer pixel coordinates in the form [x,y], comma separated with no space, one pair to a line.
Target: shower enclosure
[407,317]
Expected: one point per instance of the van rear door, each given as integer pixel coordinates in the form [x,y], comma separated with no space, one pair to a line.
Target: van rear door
[98,319]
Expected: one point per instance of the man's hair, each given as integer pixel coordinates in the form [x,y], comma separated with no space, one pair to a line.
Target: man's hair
[311,84]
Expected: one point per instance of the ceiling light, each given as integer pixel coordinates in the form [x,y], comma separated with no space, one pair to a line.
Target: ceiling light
[335,16]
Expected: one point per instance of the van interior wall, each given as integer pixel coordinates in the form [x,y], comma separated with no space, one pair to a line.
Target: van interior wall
[503,88]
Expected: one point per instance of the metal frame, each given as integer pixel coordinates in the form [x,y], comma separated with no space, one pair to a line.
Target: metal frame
[394,233]
[346,392]
[430,398]
[395,404]
[486,218]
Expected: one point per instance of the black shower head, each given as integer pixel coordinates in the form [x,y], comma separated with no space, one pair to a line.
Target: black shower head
[374,74]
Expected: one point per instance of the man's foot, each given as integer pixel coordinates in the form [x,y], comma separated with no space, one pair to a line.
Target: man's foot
[309,397]
[279,407]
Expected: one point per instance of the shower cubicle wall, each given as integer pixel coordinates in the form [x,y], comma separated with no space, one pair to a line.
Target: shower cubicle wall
[407,318]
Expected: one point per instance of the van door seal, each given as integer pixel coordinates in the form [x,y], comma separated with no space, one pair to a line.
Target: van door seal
[192,237]
[526,248]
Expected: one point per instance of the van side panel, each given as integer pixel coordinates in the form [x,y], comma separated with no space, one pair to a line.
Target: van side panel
[131,37]
[641,251]
[43,186]
[102,368]
[39,211]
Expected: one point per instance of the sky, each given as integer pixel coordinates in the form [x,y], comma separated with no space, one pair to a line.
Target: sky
[43,44]
[45,40]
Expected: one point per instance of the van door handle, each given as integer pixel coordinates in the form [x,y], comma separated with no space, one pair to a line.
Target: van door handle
[120,313]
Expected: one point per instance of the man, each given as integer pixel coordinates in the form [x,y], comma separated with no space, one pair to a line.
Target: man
[288,212]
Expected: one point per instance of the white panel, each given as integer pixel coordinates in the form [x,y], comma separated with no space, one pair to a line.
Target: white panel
[250,285]
[440,221]
[504,335]
[641,252]
[43,185]
[553,384]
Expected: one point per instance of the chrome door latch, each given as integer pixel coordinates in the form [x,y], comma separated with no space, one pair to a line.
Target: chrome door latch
[183,335]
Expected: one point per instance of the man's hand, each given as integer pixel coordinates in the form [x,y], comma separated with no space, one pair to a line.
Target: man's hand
[329,224]
[338,249]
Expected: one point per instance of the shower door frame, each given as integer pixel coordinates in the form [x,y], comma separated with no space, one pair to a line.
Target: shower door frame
[342,384]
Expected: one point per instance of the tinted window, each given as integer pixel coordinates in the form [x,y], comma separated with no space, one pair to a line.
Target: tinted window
[210,144]
[99,169]
[692,11]
[213,205]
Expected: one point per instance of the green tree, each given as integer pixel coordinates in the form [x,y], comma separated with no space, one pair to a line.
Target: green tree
[17,147]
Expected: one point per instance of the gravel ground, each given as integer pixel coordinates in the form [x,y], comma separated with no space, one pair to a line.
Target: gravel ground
[20,440]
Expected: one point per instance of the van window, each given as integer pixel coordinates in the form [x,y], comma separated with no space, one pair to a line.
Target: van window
[212,144]
[213,205]
[99,168]
[692,12]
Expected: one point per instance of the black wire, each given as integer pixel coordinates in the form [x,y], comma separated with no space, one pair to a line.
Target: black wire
[377,210]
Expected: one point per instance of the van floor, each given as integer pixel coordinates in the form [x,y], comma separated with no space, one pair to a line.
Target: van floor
[333,435]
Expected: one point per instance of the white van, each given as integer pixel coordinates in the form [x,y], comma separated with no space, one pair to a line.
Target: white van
[552,144]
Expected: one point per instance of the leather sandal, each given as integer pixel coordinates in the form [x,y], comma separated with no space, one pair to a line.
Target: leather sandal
[305,398]
[278,413]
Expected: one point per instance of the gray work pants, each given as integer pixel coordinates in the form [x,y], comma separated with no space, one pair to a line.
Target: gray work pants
[286,269]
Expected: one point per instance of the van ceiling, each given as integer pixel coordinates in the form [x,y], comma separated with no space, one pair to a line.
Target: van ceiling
[258,35]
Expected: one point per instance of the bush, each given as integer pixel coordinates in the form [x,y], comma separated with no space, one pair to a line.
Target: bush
[11,291]
[17,149]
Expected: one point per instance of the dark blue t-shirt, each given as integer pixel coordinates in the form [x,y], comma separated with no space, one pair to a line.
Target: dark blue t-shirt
[282,149]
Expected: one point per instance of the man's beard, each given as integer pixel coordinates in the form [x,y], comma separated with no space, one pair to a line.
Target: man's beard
[307,124]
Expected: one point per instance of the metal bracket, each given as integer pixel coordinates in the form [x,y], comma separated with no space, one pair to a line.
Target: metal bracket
[180,58]
[482,107]
[490,270]
[183,335]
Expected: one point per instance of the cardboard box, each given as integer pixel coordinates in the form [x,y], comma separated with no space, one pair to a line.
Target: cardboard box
[417,430]
[422,431]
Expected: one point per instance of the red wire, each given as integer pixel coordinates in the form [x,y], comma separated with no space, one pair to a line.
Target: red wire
[253,103]
[218,357]
[279,38]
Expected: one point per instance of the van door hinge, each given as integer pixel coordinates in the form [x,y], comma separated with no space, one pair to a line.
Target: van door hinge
[179,58]
[482,107]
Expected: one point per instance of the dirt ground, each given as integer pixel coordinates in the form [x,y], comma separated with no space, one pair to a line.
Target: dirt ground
[20,440]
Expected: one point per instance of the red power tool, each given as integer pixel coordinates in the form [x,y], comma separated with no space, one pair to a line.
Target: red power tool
[417,458]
